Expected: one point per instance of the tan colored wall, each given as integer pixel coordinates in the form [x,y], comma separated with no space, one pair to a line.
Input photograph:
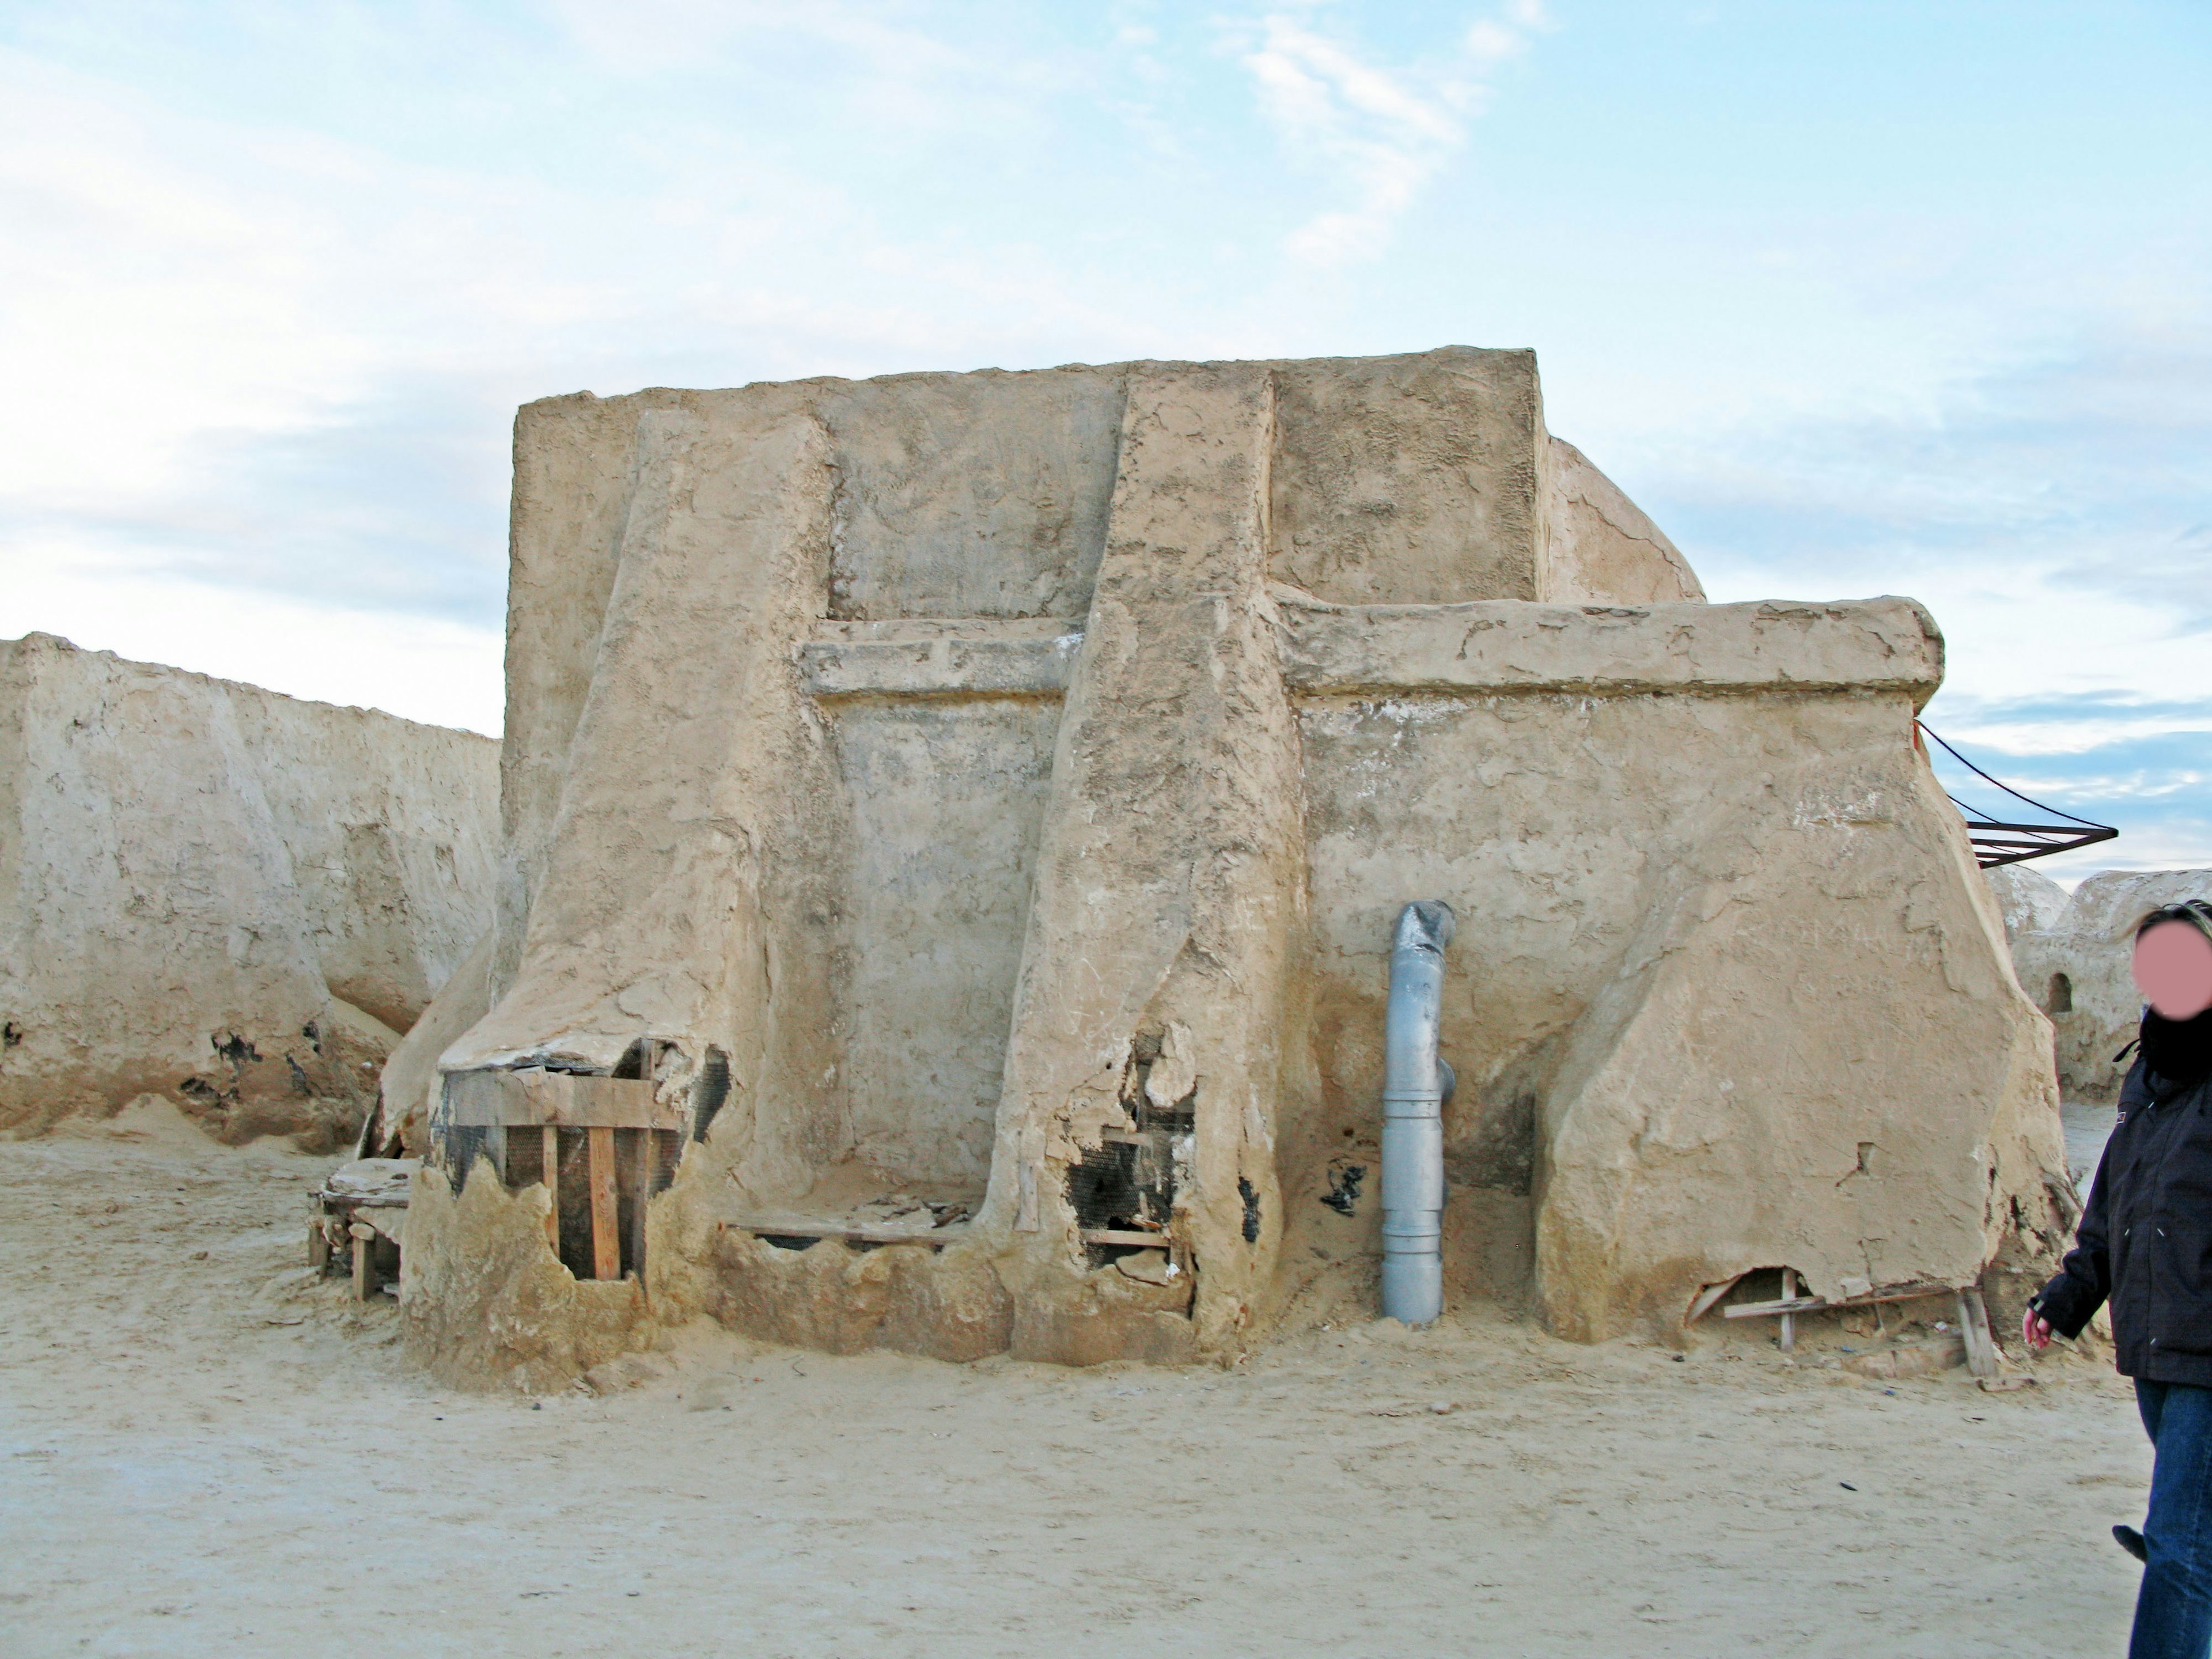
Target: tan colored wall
[1603,548]
[186,862]
[995,770]
[938,879]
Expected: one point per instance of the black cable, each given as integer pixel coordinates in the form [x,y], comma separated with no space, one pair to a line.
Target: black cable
[2087,823]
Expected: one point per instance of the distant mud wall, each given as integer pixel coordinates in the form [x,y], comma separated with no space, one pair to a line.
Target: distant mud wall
[2075,953]
[227,897]
[976,806]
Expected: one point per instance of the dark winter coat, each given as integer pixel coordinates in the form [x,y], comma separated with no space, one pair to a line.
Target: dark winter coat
[2145,1241]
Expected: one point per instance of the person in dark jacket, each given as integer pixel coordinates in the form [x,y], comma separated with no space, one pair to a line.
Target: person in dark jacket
[2145,1246]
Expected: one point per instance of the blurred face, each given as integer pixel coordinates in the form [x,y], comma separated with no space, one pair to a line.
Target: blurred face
[2173,969]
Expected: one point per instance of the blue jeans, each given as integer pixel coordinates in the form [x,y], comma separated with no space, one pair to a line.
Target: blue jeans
[2173,1610]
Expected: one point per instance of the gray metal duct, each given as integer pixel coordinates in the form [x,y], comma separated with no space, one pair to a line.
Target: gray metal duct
[1415,1085]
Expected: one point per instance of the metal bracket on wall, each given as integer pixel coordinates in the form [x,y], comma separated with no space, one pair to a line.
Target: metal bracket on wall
[1999,842]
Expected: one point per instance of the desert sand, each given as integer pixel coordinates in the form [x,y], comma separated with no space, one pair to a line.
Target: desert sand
[203,1449]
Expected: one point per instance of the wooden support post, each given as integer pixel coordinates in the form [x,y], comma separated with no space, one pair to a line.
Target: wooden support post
[1789,1321]
[1974,1324]
[640,1188]
[552,1168]
[364,1271]
[606,1239]
[319,1245]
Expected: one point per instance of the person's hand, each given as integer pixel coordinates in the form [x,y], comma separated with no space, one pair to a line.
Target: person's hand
[2035,1331]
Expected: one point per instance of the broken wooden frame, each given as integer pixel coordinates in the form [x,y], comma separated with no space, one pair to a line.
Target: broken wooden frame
[359,1228]
[1974,1314]
[601,1146]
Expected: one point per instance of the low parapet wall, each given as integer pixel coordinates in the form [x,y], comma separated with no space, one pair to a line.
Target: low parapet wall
[986,950]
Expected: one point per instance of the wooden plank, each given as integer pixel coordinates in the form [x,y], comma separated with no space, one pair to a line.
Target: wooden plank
[1709,1296]
[1815,1303]
[552,1175]
[936,1238]
[640,1187]
[1769,1310]
[1974,1322]
[1126,1235]
[606,1243]
[364,1275]
[533,1096]
[1788,1337]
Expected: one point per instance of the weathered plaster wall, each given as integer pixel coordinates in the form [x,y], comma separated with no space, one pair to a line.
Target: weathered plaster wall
[944,800]
[999,776]
[1413,480]
[220,895]
[409,1080]
[1603,548]
[1725,846]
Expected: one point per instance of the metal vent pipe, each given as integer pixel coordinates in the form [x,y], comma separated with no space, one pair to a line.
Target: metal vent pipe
[1416,1083]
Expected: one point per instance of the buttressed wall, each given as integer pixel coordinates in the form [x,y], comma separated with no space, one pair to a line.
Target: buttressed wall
[211,892]
[953,825]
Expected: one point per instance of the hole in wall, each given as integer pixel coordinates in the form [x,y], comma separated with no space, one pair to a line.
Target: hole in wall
[1126,1185]
[1343,1194]
[1250,1195]
[2058,998]
[644,1162]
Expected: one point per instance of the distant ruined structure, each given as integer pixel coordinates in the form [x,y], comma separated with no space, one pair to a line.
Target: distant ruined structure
[230,898]
[953,826]
[2075,954]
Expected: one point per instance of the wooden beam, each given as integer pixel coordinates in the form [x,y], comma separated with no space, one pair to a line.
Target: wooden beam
[640,1187]
[1126,1235]
[606,1242]
[1769,1310]
[936,1238]
[1707,1296]
[1788,1339]
[532,1096]
[1816,1303]
[1974,1321]
[552,1176]
[364,1275]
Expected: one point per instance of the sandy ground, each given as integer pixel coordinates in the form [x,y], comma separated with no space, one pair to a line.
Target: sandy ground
[204,1451]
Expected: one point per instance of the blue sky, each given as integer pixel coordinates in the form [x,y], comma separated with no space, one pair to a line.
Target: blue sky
[1853,298]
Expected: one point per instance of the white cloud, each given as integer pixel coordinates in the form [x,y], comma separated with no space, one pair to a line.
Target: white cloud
[1382,134]
[1490,44]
